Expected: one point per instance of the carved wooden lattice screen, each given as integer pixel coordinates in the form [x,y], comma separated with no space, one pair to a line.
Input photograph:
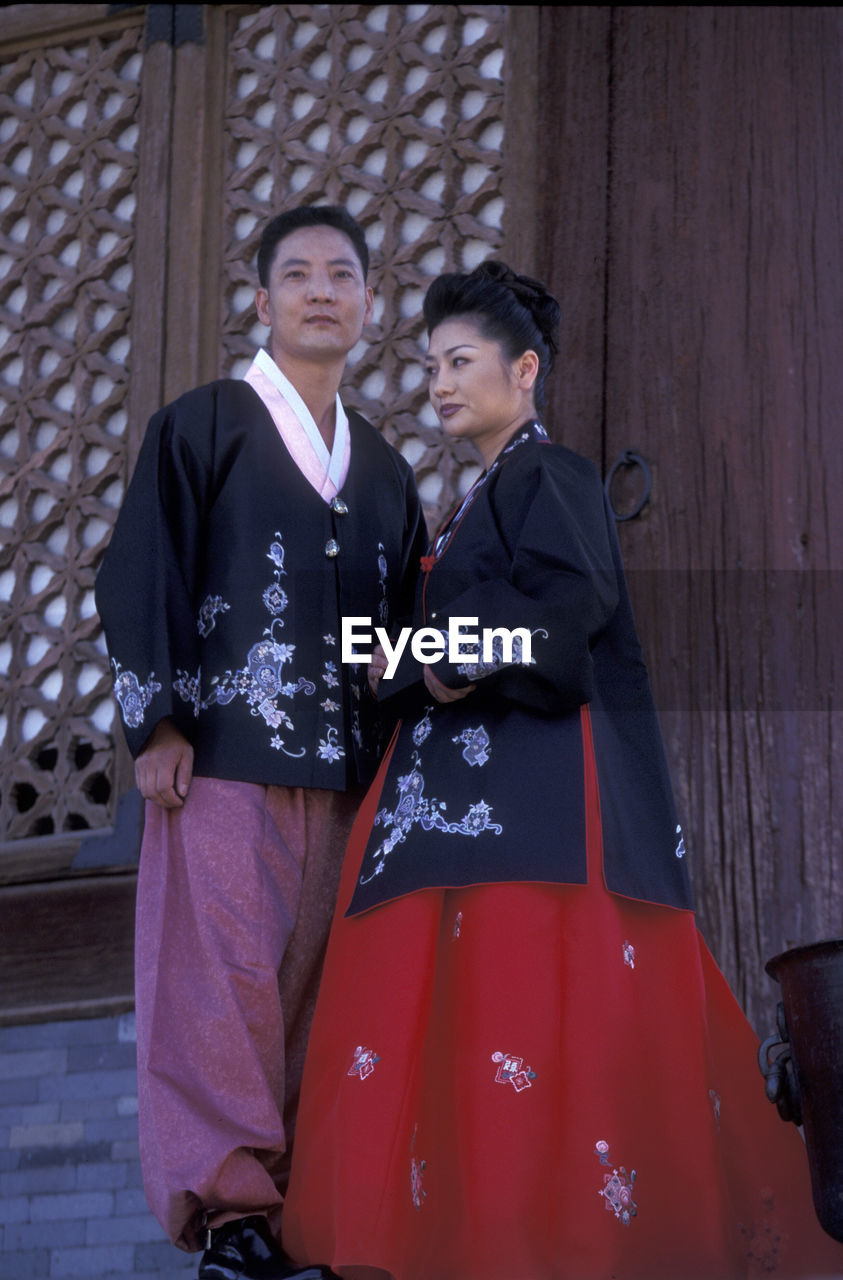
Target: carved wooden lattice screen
[397,112]
[68,170]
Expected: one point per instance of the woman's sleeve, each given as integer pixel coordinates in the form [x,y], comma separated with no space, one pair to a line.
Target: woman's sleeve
[145,586]
[558,595]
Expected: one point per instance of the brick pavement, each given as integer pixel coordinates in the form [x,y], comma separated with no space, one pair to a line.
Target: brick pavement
[71,1203]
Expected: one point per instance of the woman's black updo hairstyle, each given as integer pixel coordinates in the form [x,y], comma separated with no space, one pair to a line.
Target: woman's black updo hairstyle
[515,311]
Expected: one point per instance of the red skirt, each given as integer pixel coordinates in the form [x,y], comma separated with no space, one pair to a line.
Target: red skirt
[536,1082]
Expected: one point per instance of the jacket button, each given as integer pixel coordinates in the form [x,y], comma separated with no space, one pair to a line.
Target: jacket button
[338,506]
[332,548]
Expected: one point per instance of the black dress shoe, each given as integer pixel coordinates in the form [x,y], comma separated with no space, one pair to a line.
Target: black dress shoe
[245,1249]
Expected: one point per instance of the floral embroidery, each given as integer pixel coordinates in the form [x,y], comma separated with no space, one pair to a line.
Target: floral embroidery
[457,925]
[273,715]
[477,745]
[208,614]
[680,842]
[629,954]
[511,1070]
[479,670]
[329,705]
[417,1168]
[264,662]
[383,604]
[188,688]
[617,1187]
[328,748]
[471,824]
[261,681]
[329,674]
[423,728]
[364,1062]
[328,640]
[414,807]
[133,697]
[275,599]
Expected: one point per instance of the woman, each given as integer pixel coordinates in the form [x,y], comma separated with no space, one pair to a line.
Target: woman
[525,1064]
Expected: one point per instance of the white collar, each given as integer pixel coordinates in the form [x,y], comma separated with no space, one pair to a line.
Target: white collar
[333,461]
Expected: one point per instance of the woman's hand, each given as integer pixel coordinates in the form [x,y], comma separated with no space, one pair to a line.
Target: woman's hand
[376,669]
[441,692]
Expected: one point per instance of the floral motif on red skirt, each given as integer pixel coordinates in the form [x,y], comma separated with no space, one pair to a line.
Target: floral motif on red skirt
[563,1088]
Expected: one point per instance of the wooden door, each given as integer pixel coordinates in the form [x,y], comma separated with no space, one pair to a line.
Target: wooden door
[692,223]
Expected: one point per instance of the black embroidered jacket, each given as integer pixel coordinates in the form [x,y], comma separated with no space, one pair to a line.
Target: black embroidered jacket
[222,590]
[490,788]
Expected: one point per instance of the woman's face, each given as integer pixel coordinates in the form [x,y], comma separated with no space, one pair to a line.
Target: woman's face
[477,393]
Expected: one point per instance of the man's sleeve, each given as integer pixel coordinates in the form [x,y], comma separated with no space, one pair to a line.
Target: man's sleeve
[145,586]
[415,544]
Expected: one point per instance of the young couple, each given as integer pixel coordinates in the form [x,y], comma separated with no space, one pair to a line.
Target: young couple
[523,1064]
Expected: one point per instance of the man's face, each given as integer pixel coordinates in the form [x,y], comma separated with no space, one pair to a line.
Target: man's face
[316,302]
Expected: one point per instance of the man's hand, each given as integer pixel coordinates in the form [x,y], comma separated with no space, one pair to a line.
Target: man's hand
[376,669]
[441,692]
[164,768]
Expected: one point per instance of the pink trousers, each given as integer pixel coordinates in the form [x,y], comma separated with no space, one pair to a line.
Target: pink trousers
[235,896]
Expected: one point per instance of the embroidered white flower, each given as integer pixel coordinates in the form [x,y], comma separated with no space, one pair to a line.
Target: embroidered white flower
[328,748]
[274,716]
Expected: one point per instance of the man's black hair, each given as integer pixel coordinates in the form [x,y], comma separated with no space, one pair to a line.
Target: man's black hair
[309,215]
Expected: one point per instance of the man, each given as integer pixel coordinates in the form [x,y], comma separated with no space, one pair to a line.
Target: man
[260,513]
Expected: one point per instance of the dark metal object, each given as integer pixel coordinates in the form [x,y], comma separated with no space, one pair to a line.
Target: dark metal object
[629,459]
[805,1077]
[782,1086]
